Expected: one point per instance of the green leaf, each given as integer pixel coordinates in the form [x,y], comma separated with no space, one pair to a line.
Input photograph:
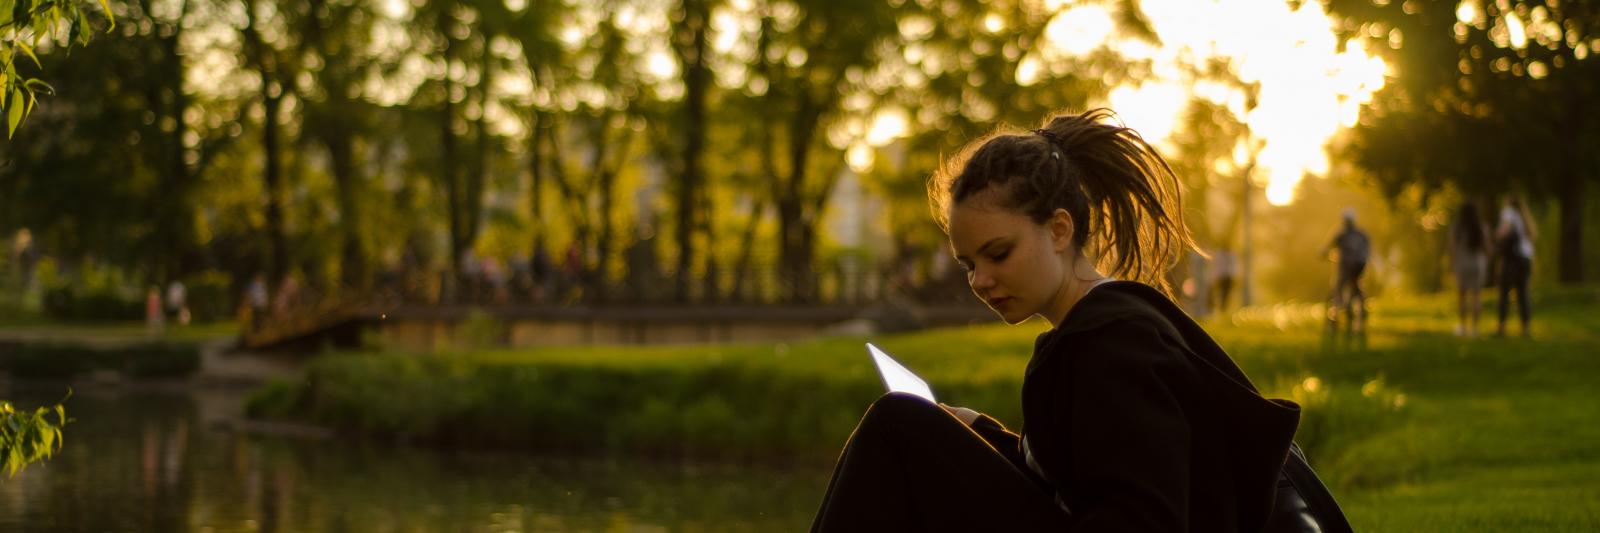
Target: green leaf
[75,33]
[106,5]
[28,51]
[14,113]
[35,84]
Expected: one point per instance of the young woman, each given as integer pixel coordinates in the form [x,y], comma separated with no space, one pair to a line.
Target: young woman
[1133,419]
[1469,258]
[1514,251]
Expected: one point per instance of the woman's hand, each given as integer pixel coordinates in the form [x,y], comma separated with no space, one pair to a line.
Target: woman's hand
[967,416]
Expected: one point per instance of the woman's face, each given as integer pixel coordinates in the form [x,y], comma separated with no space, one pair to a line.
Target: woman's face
[1014,265]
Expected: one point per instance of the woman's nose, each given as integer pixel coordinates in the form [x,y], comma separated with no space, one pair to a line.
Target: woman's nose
[980,279]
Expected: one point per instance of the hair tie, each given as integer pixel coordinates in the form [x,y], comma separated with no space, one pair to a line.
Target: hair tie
[1055,142]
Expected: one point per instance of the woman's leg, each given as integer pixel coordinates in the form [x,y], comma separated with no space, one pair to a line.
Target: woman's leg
[1523,310]
[1507,272]
[912,466]
[1475,295]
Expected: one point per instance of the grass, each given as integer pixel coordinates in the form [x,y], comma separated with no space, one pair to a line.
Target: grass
[1414,429]
[113,331]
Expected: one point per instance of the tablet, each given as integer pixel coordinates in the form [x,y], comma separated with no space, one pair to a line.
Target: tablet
[896,377]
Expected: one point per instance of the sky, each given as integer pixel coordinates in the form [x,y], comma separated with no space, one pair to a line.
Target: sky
[1309,90]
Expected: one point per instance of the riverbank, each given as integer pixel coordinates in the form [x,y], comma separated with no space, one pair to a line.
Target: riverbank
[127,354]
[1406,422]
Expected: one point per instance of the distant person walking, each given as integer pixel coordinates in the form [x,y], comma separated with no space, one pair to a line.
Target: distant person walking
[1354,250]
[154,321]
[1469,259]
[256,295]
[1514,252]
[1224,273]
[178,303]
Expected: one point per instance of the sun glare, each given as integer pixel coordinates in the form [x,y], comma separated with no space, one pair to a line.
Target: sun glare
[1308,89]
[1080,30]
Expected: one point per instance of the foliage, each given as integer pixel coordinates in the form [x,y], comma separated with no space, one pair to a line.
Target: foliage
[72,303]
[209,295]
[24,26]
[29,437]
[480,330]
[353,139]
[62,361]
[89,292]
[1489,98]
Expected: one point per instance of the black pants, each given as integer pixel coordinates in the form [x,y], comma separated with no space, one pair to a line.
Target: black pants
[911,466]
[1514,273]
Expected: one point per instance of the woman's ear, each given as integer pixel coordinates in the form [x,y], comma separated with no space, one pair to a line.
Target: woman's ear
[1061,226]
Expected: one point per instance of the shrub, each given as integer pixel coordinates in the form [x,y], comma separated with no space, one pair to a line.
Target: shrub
[279,398]
[480,330]
[59,361]
[209,296]
[74,303]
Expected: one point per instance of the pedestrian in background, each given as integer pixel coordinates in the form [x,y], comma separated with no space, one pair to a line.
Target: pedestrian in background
[1514,252]
[1469,260]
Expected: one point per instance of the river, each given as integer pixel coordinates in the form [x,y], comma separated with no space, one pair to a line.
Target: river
[137,459]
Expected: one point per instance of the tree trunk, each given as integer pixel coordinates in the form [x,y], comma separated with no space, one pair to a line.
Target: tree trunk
[696,78]
[1573,198]
[352,263]
[604,175]
[574,205]
[797,255]
[277,242]
[603,243]
[277,257]
[480,169]
[447,169]
[536,186]
[178,194]
[741,268]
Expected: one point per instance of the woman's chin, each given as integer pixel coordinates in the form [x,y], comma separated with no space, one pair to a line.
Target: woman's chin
[1011,316]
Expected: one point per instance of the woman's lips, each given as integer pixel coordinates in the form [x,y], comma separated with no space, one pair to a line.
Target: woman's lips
[997,302]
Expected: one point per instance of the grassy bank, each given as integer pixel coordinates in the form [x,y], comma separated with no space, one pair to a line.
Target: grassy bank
[1414,428]
[57,360]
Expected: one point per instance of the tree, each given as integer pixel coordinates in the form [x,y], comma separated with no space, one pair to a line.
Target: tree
[1487,98]
[31,437]
[691,24]
[534,30]
[445,33]
[272,66]
[334,36]
[23,27]
[112,173]
[809,57]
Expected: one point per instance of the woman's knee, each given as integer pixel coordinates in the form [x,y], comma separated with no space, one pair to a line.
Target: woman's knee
[899,408]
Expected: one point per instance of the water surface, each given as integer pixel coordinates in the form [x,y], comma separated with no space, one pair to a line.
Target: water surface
[140,460]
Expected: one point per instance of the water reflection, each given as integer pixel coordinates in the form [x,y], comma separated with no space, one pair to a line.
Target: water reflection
[157,461]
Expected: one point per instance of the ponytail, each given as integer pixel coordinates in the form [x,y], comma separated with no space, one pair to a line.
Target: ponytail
[1124,200]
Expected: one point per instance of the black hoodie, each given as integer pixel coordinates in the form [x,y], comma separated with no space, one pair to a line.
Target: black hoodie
[1138,421]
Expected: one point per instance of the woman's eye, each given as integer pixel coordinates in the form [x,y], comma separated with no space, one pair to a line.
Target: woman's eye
[1002,256]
